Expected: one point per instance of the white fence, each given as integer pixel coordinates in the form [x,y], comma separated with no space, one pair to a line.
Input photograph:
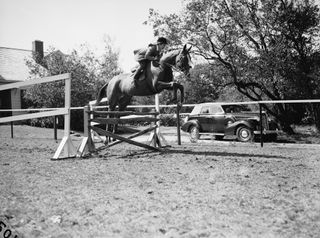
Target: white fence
[258,103]
[66,144]
[66,149]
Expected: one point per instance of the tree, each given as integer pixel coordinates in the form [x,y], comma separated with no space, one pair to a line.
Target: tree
[265,47]
[87,71]
[204,84]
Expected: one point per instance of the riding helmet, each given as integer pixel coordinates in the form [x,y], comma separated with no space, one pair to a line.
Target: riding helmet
[162,40]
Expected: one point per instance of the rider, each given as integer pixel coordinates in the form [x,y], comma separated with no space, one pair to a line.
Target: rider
[152,53]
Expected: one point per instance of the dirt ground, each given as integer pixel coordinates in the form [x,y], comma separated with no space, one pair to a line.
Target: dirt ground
[208,189]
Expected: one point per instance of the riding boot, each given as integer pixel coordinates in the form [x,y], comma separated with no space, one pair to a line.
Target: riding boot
[137,73]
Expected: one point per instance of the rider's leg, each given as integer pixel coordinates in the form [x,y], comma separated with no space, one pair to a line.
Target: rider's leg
[142,65]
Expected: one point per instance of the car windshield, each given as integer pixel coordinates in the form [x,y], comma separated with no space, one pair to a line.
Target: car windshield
[196,110]
[235,108]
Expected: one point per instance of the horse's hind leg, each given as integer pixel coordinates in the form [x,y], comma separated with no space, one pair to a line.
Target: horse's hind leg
[124,101]
[110,127]
[122,104]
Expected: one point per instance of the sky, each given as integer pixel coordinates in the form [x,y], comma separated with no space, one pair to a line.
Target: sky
[66,24]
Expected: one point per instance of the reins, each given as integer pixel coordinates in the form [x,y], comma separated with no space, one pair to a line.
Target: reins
[173,67]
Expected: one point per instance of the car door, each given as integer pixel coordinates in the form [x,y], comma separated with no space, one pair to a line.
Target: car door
[217,119]
[205,119]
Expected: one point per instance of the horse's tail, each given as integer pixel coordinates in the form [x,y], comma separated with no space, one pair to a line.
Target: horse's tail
[101,94]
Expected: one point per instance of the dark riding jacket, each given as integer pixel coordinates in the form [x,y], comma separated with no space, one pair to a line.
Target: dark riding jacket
[149,53]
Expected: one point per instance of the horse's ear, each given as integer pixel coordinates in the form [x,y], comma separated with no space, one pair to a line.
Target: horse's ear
[185,48]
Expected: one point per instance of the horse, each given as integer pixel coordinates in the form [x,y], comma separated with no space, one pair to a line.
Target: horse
[158,77]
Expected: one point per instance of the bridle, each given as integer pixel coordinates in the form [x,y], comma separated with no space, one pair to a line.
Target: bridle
[174,67]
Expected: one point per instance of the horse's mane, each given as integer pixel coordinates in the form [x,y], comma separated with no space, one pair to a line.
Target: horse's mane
[170,53]
[170,50]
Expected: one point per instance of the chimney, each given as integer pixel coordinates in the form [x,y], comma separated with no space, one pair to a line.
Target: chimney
[37,50]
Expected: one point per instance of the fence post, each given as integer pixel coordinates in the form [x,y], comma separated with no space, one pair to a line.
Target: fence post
[178,122]
[155,138]
[87,144]
[87,129]
[55,127]
[66,145]
[261,129]
[11,126]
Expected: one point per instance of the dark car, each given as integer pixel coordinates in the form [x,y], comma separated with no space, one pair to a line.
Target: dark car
[220,120]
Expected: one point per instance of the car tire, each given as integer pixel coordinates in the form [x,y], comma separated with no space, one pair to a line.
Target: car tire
[194,134]
[244,134]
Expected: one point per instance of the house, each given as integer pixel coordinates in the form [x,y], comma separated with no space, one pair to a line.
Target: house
[13,68]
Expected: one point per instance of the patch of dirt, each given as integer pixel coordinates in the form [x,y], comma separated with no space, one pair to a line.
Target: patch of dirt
[208,189]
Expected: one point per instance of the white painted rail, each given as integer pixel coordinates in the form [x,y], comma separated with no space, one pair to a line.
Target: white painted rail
[66,148]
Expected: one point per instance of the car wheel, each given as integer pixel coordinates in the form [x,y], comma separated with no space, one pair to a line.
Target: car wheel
[194,134]
[244,134]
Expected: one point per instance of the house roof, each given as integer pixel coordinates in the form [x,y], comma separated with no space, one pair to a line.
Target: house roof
[13,64]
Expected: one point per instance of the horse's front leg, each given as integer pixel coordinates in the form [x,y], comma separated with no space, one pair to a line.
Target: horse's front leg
[176,87]
[159,86]
[170,86]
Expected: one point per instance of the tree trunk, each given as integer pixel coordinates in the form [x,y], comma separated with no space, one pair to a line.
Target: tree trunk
[316,114]
[285,122]
[287,128]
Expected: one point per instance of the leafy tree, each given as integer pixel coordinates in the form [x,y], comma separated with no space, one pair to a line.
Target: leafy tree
[87,72]
[265,47]
[204,84]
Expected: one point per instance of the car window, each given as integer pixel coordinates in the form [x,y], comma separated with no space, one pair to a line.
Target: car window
[205,110]
[216,109]
[235,108]
[196,110]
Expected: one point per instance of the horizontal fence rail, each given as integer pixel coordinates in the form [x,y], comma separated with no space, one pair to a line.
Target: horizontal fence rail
[222,103]
[161,106]
[172,106]
[45,112]
[60,111]
[66,147]
[31,82]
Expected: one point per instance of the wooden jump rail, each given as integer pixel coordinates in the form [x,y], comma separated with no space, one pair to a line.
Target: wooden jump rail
[118,118]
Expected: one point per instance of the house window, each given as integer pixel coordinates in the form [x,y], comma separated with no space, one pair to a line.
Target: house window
[5,102]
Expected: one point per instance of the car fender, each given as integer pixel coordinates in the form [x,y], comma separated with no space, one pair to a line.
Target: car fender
[232,127]
[186,126]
